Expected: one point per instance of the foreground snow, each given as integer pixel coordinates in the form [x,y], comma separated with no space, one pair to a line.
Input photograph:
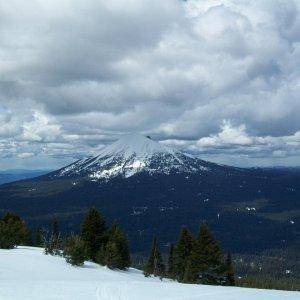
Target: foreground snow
[26,273]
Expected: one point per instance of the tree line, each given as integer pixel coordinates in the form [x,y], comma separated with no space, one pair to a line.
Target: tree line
[13,232]
[96,242]
[192,260]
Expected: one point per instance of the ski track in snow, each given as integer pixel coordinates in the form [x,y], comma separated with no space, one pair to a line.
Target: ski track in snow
[27,274]
[111,292]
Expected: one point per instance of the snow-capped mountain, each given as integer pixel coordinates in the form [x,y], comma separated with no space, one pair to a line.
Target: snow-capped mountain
[132,154]
[154,190]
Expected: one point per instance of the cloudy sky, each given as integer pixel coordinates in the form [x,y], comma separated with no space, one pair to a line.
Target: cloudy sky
[217,78]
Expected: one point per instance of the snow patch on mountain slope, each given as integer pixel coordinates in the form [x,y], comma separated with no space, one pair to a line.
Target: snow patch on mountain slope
[27,274]
[137,144]
[132,154]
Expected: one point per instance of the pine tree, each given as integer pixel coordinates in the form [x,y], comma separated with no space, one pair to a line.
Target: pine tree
[75,251]
[192,268]
[229,271]
[93,233]
[56,242]
[124,249]
[55,229]
[101,255]
[191,271]
[171,272]
[159,267]
[205,261]
[112,257]
[182,251]
[154,265]
[149,267]
[28,238]
[13,231]
[38,241]
[116,251]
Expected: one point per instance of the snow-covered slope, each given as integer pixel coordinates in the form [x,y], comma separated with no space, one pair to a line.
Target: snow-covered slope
[132,154]
[27,274]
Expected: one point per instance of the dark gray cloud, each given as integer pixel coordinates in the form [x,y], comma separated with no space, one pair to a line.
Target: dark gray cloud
[217,78]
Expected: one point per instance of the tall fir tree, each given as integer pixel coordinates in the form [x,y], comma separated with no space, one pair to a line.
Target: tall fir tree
[159,267]
[182,251]
[112,256]
[124,250]
[55,229]
[117,250]
[54,242]
[229,271]
[171,271]
[154,265]
[205,260]
[13,232]
[149,267]
[190,272]
[93,233]
[75,251]
[38,242]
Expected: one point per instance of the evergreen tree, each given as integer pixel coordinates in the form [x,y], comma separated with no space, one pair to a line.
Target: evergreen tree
[93,233]
[116,251]
[39,238]
[159,267]
[112,255]
[56,242]
[171,272]
[101,255]
[75,251]
[191,271]
[205,260]
[13,231]
[182,251]
[124,249]
[154,264]
[55,229]
[28,239]
[149,267]
[229,271]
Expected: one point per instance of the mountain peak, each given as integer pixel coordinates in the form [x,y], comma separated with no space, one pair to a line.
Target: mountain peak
[131,154]
[135,144]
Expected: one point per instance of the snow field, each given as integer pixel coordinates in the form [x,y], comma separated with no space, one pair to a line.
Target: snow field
[26,273]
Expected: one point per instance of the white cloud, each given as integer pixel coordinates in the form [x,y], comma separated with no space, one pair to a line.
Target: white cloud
[40,129]
[25,155]
[80,73]
[228,135]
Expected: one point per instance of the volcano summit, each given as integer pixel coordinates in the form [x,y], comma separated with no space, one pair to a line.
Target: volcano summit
[130,155]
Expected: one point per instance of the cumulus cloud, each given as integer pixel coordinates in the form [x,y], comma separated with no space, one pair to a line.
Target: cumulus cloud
[74,75]
[229,135]
[40,129]
[234,142]
[25,155]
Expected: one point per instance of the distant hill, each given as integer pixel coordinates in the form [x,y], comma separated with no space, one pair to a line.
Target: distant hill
[19,174]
